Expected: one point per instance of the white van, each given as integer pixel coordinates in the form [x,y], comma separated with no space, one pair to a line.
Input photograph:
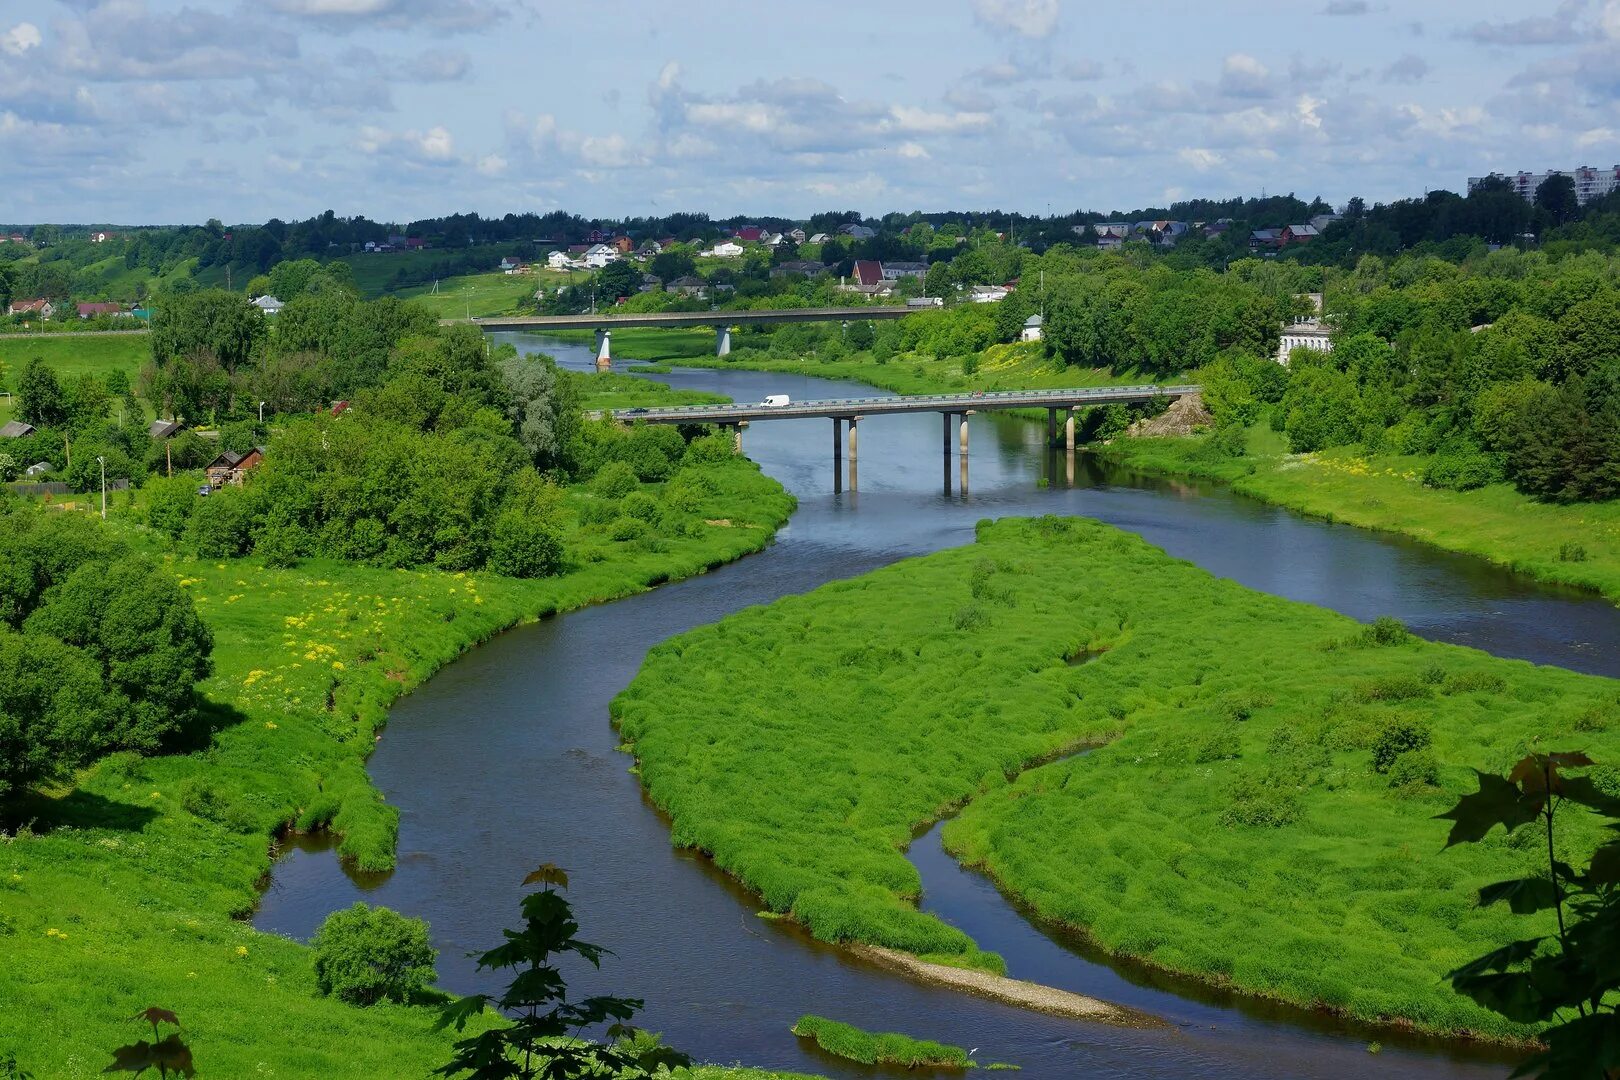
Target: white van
[775,401]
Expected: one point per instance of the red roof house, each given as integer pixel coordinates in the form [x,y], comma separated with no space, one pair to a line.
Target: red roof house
[867,273]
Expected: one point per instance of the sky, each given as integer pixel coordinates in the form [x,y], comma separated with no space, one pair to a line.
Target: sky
[176,111]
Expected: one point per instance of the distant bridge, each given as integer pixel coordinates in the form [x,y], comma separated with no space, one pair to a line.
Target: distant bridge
[959,407]
[722,321]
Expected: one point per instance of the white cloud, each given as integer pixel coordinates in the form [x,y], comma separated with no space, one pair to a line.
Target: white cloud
[491,165]
[20,38]
[1558,28]
[1029,18]
[922,121]
[1201,158]
[435,146]
[1610,20]
[914,150]
[1409,68]
[1244,76]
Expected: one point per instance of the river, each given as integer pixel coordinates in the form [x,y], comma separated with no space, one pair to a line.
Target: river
[506,759]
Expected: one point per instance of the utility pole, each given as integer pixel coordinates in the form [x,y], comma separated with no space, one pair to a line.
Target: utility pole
[261,412]
[103,462]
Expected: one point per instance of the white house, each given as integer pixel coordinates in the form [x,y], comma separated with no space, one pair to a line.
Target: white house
[268,304]
[1032,329]
[1304,335]
[599,255]
[726,249]
[988,294]
[559,260]
[796,235]
[820,238]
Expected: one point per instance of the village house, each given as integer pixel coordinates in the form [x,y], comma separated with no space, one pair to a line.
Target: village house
[43,308]
[510,262]
[749,234]
[1109,242]
[807,267]
[987,294]
[796,235]
[599,255]
[866,276]
[559,260]
[90,311]
[820,238]
[688,286]
[230,467]
[101,237]
[894,271]
[268,304]
[726,249]
[1297,234]
[1032,329]
[1265,238]
[1306,331]
[163,429]
[857,231]
[15,429]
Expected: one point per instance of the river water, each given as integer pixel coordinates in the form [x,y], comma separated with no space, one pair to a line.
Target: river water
[506,759]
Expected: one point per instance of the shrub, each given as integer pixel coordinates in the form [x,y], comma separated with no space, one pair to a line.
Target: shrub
[614,480]
[1462,469]
[1392,688]
[710,450]
[170,503]
[642,506]
[1262,800]
[364,955]
[1384,630]
[1397,736]
[219,525]
[1413,768]
[1569,551]
[627,528]
[525,546]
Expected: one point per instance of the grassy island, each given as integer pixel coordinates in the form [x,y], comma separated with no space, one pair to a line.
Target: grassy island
[880,1048]
[1258,813]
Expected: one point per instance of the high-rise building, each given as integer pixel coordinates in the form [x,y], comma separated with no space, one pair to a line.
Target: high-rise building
[1590,183]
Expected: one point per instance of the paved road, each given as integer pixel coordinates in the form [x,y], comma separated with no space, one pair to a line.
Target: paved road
[843,408]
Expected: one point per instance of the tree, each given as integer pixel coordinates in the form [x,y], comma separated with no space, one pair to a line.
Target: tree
[544,409]
[1567,980]
[53,710]
[40,400]
[1556,195]
[364,955]
[616,279]
[214,321]
[545,1037]
[674,263]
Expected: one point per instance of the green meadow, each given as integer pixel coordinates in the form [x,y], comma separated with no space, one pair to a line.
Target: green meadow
[1571,544]
[1245,818]
[603,390]
[479,295]
[128,887]
[69,357]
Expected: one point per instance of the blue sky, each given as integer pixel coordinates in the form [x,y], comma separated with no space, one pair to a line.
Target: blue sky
[139,111]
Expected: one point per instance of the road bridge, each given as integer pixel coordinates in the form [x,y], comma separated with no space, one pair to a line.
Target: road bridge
[722,322]
[954,409]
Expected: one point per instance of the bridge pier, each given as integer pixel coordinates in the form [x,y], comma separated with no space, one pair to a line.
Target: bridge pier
[838,455]
[1068,440]
[853,422]
[604,355]
[722,345]
[1051,427]
[962,439]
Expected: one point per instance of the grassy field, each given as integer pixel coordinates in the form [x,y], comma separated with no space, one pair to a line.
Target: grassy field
[70,357]
[1573,545]
[613,390]
[373,272]
[880,1048]
[126,889]
[1019,366]
[480,295]
[1231,826]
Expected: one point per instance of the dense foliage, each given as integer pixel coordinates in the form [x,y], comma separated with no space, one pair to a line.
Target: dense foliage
[1234,825]
[364,955]
[99,649]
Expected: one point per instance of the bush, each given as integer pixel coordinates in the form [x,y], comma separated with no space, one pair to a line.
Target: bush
[1261,800]
[1384,630]
[170,503]
[364,955]
[219,525]
[1569,551]
[525,547]
[712,449]
[1398,735]
[614,480]
[642,506]
[1462,469]
[1392,688]
[1413,768]
[627,528]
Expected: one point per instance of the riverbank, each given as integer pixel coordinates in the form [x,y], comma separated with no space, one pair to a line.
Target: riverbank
[1232,828]
[128,888]
[1576,544]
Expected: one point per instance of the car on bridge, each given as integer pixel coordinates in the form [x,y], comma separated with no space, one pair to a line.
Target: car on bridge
[776,401]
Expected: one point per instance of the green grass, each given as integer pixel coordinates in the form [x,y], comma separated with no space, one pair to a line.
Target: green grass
[1230,827]
[879,1048]
[373,273]
[1019,366]
[69,357]
[1568,544]
[144,867]
[613,390]
[494,293]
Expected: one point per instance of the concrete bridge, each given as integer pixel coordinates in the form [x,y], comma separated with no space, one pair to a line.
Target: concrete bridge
[721,321]
[954,409]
